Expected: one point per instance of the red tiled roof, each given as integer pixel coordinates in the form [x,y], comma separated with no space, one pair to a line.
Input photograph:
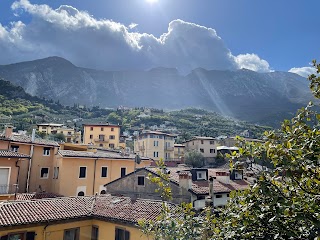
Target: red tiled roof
[11,154]
[27,139]
[100,154]
[30,196]
[14,213]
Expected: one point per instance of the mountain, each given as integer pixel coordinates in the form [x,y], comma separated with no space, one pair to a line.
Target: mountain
[242,94]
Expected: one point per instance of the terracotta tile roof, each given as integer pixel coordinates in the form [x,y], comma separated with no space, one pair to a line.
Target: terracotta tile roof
[27,139]
[30,196]
[85,154]
[101,125]
[105,207]
[11,154]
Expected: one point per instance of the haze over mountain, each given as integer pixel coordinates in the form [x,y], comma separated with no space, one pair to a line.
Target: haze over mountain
[242,94]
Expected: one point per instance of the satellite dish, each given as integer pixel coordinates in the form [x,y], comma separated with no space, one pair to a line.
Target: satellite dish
[137,159]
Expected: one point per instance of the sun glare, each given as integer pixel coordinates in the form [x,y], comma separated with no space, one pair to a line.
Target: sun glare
[151,1]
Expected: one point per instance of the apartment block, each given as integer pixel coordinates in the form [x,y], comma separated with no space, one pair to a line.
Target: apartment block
[207,146]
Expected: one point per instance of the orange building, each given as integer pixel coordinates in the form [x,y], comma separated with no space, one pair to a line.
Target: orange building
[103,135]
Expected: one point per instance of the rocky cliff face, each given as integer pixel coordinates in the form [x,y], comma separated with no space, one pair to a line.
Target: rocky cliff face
[242,94]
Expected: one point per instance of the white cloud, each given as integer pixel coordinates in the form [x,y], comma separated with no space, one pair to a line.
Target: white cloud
[105,44]
[133,25]
[252,62]
[303,71]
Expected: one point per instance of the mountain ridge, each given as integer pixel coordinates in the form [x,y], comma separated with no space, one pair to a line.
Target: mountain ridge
[242,94]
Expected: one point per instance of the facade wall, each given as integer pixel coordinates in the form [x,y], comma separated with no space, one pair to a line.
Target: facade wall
[208,148]
[94,181]
[178,152]
[10,163]
[128,186]
[155,146]
[107,131]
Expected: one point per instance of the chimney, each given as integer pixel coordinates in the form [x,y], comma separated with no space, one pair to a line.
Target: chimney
[33,136]
[223,177]
[8,131]
[185,180]
[210,199]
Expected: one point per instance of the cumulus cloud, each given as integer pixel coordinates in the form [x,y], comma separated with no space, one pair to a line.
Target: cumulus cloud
[106,44]
[303,71]
[252,62]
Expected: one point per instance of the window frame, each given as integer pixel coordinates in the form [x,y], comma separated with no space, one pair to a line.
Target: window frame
[123,235]
[55,172]
[47,173]
[121,172]
[46,150]
[94,235]
[80,172]
[14,148]
[106,172]
[144,180]
[77,233]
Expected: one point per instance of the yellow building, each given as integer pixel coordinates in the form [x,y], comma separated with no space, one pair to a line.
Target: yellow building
[155,145]
[36,174]
[103,135]
[86,172]
[71,135]
[179,151]
[103,217]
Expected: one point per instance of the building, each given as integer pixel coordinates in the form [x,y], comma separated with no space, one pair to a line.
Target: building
[155,145]
[207,146]
[179,151]
[10,165]
[71,135]
[35,174]
[103,135]
[187,185]
[87,172]
[77,218]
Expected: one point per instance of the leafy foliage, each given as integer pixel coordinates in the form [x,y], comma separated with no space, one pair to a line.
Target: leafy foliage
[194,159]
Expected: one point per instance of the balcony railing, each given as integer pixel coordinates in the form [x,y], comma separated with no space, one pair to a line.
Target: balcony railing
[168,148]
[101,140]
[8,188]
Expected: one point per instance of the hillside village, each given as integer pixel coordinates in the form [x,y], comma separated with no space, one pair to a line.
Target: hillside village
[101,165]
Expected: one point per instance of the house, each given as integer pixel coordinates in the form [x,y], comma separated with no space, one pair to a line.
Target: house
[207,146]
[71,135]
[155,145]
[49,128]
[78,218]
[86,172]
[103,135]
[35,174]
[179,150]
[10,166]
[187,185]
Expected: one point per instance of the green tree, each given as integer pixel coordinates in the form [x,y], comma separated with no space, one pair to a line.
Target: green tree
[194,159]
[285,201]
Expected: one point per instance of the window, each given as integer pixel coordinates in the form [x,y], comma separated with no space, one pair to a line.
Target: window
[212,150]
[19,236]
[122,234]
[112,129]
[228,195]
[123,171]
[211,142]
[71,234]
[201,150]
[156,143]
[14,148]
[91,128]
[94,233]
[102,129]
[111,145]
[100,145]
[104,171]
[201,141]
[69,140]
[199,175]
[219,196]
[140,180]
[111,137]
[55,172]
[103,192]
[46,151]
[91,136]
[82,172]
[44,172]
[155,154]
[81,194]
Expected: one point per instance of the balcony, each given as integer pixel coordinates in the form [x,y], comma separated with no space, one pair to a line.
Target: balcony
[101,140]
[168,148]
[8,188]
[141,148]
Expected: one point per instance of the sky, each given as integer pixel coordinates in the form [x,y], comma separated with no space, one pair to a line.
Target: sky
[261,35]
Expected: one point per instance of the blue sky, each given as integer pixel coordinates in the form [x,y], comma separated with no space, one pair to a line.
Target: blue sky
[283,33]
